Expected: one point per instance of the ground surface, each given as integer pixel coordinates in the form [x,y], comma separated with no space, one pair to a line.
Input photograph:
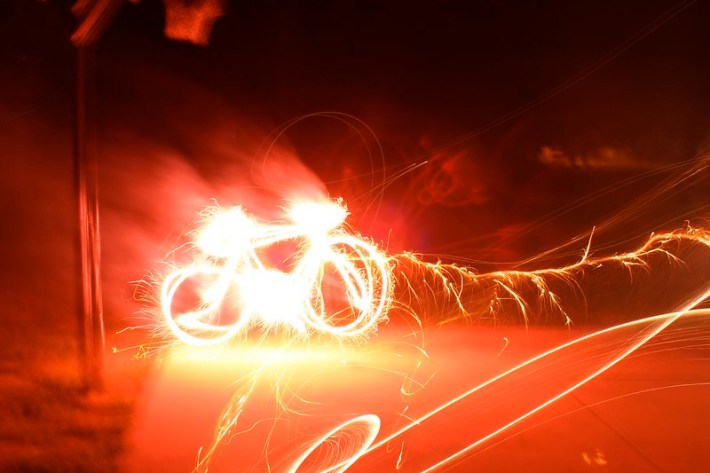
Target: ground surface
[647,414]
[48,422]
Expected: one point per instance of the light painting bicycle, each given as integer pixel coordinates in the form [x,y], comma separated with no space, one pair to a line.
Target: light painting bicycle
[336,283]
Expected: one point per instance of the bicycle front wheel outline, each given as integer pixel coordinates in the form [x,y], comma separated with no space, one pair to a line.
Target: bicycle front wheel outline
[365,275]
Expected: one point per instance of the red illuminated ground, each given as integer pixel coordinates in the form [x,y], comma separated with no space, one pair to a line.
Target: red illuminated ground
[646,414]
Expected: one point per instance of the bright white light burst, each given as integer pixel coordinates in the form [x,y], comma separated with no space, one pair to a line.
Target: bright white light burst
[333,282]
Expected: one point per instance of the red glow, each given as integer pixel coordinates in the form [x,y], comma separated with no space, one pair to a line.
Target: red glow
[191,20]
[528,391]
[518,283]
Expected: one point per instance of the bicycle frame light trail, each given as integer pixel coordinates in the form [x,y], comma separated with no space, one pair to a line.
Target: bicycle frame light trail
[330,283]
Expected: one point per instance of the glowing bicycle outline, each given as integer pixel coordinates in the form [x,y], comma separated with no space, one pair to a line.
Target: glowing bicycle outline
[230,243]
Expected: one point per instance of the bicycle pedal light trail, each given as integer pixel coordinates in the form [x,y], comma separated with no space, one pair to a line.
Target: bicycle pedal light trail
[335,283]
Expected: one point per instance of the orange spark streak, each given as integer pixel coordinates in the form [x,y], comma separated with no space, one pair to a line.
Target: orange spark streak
[459,293]
[648,329]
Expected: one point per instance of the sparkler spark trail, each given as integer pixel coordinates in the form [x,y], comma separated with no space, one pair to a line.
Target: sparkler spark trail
[458,293]
[234,279]
[349,440]
[618,343]
[454,290]
[336,284]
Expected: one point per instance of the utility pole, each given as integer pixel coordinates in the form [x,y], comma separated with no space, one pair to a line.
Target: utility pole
[94,16]
[89,241]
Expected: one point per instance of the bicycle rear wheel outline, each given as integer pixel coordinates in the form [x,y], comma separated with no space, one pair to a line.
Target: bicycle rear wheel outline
[185,325]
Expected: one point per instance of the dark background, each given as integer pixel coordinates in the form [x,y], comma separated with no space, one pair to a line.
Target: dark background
[510,110]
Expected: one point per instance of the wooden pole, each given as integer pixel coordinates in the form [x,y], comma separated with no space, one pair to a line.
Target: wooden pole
[94,17]
[89,242]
